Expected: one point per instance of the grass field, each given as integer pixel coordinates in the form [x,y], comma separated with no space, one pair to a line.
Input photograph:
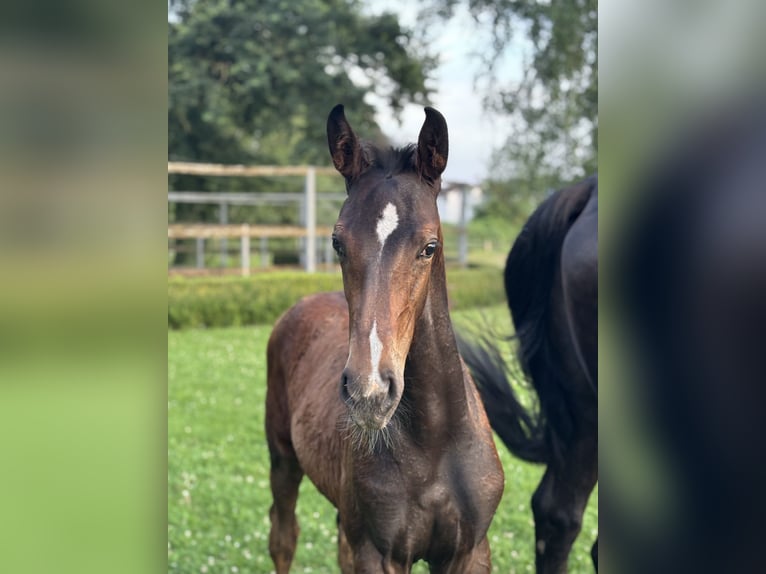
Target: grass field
[218,492]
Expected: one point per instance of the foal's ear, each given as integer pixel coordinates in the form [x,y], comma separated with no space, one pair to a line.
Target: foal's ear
[433,146]
[346,153]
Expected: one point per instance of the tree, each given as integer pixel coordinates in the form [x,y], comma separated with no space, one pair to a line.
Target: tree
[554,108]
[252,81]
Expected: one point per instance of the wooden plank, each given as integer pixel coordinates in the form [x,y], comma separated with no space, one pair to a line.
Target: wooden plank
[191,231]
[248,198]
[216,169]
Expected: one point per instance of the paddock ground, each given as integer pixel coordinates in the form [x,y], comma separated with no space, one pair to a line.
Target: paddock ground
[218,495]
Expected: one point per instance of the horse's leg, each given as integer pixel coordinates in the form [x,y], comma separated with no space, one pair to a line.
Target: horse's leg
[478,561]
[286,472]
[559,503]
[345,555]
[594,554]
[286,475]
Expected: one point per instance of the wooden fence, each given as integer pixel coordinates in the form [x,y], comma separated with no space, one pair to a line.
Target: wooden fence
[308,231]
[224,230]
[244,233]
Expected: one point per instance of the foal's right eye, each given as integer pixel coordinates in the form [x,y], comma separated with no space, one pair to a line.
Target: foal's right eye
[429,250]
[337,246]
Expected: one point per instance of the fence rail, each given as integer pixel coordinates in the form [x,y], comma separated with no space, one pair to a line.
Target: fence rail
[307,233]
[217,169]
[232,231]
[243,232]
[246,198]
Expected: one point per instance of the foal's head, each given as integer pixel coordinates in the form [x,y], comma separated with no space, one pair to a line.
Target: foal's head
[388,240]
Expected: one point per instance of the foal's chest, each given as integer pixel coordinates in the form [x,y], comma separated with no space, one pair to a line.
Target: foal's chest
[413,513]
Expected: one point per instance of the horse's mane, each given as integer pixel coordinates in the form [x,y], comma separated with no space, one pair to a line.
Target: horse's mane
[391,159]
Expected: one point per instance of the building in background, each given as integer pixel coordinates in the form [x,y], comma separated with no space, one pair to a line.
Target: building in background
[450,201]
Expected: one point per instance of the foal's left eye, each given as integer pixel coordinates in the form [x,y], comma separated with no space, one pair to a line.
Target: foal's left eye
[428,250]
[338,246]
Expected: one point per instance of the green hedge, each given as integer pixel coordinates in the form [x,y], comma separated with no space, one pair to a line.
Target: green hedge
[260,299]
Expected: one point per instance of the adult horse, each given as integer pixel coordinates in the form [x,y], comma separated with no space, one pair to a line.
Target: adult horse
[367,393]
[691,277]
[551,282]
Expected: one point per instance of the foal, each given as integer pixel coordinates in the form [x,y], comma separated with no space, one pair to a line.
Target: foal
[367,393]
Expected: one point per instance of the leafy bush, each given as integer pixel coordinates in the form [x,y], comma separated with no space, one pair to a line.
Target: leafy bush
[260,299]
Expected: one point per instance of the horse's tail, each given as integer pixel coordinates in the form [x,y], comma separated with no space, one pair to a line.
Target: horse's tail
[534,434]
[530,276]
[533,263]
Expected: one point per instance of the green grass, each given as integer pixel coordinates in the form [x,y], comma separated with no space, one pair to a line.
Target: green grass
[218,493]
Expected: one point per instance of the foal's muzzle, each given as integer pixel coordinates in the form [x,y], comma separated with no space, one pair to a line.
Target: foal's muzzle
[371,401]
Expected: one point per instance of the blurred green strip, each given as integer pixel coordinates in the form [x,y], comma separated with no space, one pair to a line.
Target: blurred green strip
[258,300]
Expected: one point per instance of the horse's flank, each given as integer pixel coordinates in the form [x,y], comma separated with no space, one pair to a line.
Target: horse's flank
[551,281]
[305,342]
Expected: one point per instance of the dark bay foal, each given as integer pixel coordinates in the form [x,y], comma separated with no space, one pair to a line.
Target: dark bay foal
[367,393]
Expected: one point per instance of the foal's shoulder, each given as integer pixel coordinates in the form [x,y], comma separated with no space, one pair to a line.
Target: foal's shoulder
[321,303]
[312,308]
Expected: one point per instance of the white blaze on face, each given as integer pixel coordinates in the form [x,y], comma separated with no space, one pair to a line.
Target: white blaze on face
[387,223]
[376,350]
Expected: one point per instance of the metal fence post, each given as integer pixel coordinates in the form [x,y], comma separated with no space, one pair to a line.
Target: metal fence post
[200,252]
[462,227]
[264,251]
[245,250]
[223,219]
[311,220]
[328,251]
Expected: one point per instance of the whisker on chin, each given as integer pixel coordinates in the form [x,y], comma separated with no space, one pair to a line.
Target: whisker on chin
[369,440]
[362,439]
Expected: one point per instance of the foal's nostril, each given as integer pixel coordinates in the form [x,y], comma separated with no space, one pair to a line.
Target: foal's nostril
[345,395]
[390,381]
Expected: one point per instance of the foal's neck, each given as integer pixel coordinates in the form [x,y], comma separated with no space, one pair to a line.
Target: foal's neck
[434,382]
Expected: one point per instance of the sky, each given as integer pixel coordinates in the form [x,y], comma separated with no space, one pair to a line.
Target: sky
[473,132]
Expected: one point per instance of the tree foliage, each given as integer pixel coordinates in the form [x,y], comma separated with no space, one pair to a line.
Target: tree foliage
[252,81]
[554,108]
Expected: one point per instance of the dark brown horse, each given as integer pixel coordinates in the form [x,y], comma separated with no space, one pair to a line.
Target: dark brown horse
[367,393]
[690,285]
[551,281]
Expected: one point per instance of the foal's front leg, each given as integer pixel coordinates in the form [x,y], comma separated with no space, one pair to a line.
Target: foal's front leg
[286,475]
[368,560]
[477,561]
[345,554]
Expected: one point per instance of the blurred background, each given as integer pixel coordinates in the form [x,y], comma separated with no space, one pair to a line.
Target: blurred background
[251,83]
[97,97]
[252,199]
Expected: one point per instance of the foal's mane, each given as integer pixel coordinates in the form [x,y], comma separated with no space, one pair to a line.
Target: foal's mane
[392,160]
